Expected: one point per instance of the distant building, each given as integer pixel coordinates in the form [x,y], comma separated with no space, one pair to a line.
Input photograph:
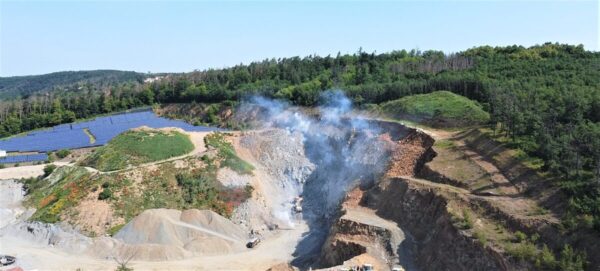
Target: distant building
[2,153]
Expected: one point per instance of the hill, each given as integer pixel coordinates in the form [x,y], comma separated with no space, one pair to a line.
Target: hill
[137,147]
[440,109]
[23,86]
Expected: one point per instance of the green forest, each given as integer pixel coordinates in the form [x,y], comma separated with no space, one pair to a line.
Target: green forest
[545,99]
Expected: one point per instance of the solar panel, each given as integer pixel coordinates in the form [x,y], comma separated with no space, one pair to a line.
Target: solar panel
[72,136]
[23,158]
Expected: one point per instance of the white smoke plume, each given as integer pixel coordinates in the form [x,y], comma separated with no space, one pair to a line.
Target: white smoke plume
[345,148]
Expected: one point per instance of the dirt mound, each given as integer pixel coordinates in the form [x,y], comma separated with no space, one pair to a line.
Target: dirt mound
[198,231]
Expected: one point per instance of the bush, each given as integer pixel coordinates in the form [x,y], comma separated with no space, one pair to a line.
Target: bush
[546,259]
[467,220]
[49,169]
[2,166]
[112,231]
[248,190]
[481,237]
[520,236]
[571,260]
[523,251]
[62,153]
[105,194]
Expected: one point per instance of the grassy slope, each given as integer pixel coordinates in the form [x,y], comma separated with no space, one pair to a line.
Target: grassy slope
[227,154]
[440,108]
[137,147]
[133,191]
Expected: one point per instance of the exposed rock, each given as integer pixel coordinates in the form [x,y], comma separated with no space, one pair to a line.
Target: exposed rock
[411,153]
[423,212]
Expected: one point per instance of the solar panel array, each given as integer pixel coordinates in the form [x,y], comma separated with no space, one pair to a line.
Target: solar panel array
[72,136]
[23,158]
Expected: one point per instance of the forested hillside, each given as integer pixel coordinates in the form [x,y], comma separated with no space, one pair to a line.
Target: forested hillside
[545,99]
[23,86]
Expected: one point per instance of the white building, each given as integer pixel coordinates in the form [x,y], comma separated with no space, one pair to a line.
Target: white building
[2,153]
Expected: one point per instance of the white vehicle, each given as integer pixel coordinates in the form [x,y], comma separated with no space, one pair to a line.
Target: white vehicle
[253,242]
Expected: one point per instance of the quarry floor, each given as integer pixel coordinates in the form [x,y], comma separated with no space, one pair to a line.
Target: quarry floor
[275,250]
[280,246]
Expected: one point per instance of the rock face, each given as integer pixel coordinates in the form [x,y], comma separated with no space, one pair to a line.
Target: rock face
[411,153]
[423,213]
[360,231]
[375,222]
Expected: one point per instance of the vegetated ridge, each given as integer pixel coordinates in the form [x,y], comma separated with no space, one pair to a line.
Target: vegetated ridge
[24,86]
[137,147]
[439,108]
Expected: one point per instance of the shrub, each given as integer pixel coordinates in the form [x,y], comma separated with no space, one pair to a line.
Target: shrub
[112,231]
[105,194]
[49,169]
[523,251]
[481,237]
[467,220]
[520,236]
[123,267]
[62,153]
[546,259]
[2,166]
[248,190]
[571,260]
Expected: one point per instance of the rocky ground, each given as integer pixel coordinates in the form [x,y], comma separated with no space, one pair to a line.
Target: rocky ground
[441,202]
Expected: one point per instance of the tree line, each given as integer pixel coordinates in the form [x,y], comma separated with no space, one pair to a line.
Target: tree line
[545,98]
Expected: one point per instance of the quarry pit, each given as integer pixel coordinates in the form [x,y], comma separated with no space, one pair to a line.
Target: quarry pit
[330,190]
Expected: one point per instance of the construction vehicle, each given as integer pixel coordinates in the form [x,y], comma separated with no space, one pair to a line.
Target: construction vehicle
[367,267]
[253,242]
[298,204]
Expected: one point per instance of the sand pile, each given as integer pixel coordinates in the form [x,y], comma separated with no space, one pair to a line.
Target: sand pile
[200,232]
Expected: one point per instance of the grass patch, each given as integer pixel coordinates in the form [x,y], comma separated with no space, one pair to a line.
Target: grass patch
[466,221]
[444,144]
[62,153]
[90,135]
[440,108]
[137,147]
[227,154]
[113,230]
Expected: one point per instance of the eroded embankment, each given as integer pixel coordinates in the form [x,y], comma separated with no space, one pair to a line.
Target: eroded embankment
[423,211]
[428,215]
[358,231]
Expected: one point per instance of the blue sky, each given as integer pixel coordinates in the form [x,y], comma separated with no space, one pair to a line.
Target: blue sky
[46,36]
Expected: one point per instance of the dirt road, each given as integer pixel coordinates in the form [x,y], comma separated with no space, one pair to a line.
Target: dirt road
[26,171]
